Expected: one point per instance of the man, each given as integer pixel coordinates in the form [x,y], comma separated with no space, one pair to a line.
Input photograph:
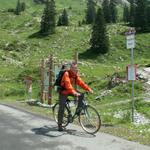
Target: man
[70,78]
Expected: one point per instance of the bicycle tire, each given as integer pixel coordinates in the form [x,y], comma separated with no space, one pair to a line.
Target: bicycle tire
[55,115]
[89,119]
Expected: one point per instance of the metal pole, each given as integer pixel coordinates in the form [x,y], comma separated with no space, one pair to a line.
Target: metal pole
[132,63]
[42,79]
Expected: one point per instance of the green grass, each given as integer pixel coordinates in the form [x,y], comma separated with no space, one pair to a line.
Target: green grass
[143,107]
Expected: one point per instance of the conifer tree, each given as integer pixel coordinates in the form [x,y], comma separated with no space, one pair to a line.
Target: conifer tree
[48,18]
[79,23]
[126,14]
[99,39]
[113,11]
[18,8]
[140,15]
[90,12]
[63,19]
[132,13]
[148,16]
[23,6]
[59,22]
[106,10]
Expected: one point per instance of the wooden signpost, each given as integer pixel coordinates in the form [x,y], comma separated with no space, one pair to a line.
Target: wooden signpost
[48,71]
[28,84]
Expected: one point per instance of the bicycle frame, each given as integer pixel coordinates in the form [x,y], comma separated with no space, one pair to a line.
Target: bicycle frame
[71,116]
[75,115]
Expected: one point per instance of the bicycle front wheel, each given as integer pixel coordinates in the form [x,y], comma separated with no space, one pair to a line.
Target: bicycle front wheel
[55,115]
[89,119]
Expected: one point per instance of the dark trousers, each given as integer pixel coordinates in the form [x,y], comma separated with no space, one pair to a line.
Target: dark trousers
[62,101]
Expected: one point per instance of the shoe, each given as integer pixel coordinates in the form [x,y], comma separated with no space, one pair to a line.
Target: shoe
[60,128]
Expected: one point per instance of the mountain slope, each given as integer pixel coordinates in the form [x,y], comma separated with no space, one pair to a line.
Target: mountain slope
[21,51]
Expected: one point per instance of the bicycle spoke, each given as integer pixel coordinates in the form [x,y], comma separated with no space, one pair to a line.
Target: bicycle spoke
[90,119]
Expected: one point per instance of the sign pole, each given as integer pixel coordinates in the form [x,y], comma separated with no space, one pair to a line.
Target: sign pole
[42,79]
[132,63]
[130,36]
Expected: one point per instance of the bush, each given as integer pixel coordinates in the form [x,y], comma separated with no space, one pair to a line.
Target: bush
[126,117]
[11,10]
[2,92]
[14,46]
[14,92]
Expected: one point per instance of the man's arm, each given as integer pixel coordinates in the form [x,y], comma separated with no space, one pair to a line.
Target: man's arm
[83,85]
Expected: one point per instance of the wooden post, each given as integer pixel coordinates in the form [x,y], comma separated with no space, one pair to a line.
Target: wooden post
[28,84]
[76,61]
[42,79]
[50,79]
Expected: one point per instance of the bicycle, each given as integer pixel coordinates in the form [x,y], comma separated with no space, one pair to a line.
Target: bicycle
[88,116]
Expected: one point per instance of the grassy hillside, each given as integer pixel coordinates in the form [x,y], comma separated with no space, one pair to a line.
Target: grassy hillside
[21,52]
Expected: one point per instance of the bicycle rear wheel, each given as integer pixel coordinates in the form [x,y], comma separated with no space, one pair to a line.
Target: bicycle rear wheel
[89,119]
[55,115]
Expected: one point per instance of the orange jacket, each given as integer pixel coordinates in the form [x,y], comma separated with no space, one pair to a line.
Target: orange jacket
[68,80]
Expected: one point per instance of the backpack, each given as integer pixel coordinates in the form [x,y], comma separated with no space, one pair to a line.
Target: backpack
[58,80]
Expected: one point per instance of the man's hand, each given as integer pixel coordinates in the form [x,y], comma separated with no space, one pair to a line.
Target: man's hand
[91,91]
[77,94]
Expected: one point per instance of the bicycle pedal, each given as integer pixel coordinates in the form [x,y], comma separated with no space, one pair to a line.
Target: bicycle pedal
[70,119]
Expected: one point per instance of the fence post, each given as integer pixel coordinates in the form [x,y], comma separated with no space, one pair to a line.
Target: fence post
[76,61]
[50,79]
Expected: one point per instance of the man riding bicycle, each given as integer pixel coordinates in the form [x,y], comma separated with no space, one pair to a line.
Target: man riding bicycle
[69,79]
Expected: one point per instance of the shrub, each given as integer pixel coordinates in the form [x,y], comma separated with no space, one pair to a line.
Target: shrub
[11,10]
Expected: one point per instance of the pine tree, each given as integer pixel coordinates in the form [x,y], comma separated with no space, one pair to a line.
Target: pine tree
[48,18]
[59,23]
[140,15]
[79,23]
[132,13]
[99,39]
[126,14]
[106,10]
[90,12]
[65,20]
[23,6]
[113,11]
[18,8]
[148,17]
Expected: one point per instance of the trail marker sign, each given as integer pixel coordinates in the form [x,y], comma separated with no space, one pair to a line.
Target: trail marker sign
[131,69]
[130,39]
[131,72]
